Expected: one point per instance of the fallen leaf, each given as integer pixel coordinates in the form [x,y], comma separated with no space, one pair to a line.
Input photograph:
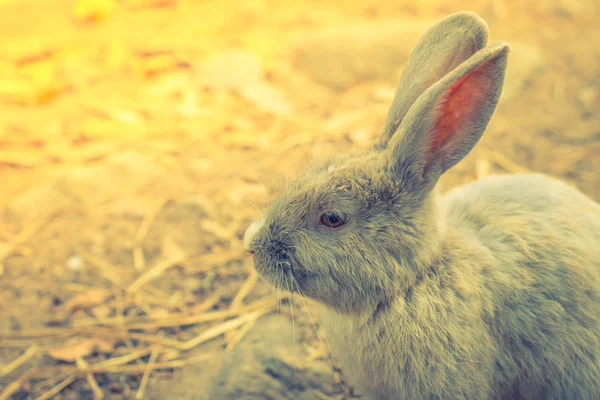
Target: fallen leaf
[90,298]
[81,349]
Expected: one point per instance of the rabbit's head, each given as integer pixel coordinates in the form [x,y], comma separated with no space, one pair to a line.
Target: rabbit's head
[356,230]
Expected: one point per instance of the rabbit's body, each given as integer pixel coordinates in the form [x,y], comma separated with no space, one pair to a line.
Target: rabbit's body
[491,291]
[509,309]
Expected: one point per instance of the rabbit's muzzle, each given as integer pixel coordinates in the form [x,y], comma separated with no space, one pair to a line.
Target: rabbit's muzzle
[250,235]
[272,251]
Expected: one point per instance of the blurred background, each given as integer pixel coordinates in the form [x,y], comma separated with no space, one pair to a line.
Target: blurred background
[138,139]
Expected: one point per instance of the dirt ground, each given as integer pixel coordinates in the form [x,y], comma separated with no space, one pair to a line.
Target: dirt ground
[138,139]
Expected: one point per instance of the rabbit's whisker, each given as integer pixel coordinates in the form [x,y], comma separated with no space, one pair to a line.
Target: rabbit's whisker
[279,291]
[289,287]
[264,188]
[253,204]
[330,355]
[271,289]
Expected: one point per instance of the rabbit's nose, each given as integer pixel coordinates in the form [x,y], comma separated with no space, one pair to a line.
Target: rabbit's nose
[250,235]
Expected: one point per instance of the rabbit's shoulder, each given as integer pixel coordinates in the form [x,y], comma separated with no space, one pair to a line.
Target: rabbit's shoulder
[535,232]
[533,244]
[532,199]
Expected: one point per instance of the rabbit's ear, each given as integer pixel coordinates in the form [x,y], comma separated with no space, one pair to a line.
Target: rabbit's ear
[448,119]
[440,49]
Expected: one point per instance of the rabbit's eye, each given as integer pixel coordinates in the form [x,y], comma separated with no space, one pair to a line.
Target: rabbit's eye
[331,219]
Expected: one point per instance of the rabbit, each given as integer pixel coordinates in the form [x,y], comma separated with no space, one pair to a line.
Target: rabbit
[489,291]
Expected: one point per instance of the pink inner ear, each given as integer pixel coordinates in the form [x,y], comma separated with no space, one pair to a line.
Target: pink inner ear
[451,61]
[463,100]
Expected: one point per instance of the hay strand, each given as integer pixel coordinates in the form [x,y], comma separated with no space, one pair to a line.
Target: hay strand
[155,272]
[20,360]
[138,254]
[28,231]
[98,393]
[244,291]
[147,372]
[57,389]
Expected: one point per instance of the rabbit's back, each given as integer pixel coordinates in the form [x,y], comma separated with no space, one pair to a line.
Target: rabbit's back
[542,280]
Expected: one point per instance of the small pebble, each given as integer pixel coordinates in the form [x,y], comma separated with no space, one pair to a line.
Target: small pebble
[74,263]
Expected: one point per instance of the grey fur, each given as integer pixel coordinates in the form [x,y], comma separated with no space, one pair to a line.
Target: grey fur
[411,160]
[491,291]
[440,49]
